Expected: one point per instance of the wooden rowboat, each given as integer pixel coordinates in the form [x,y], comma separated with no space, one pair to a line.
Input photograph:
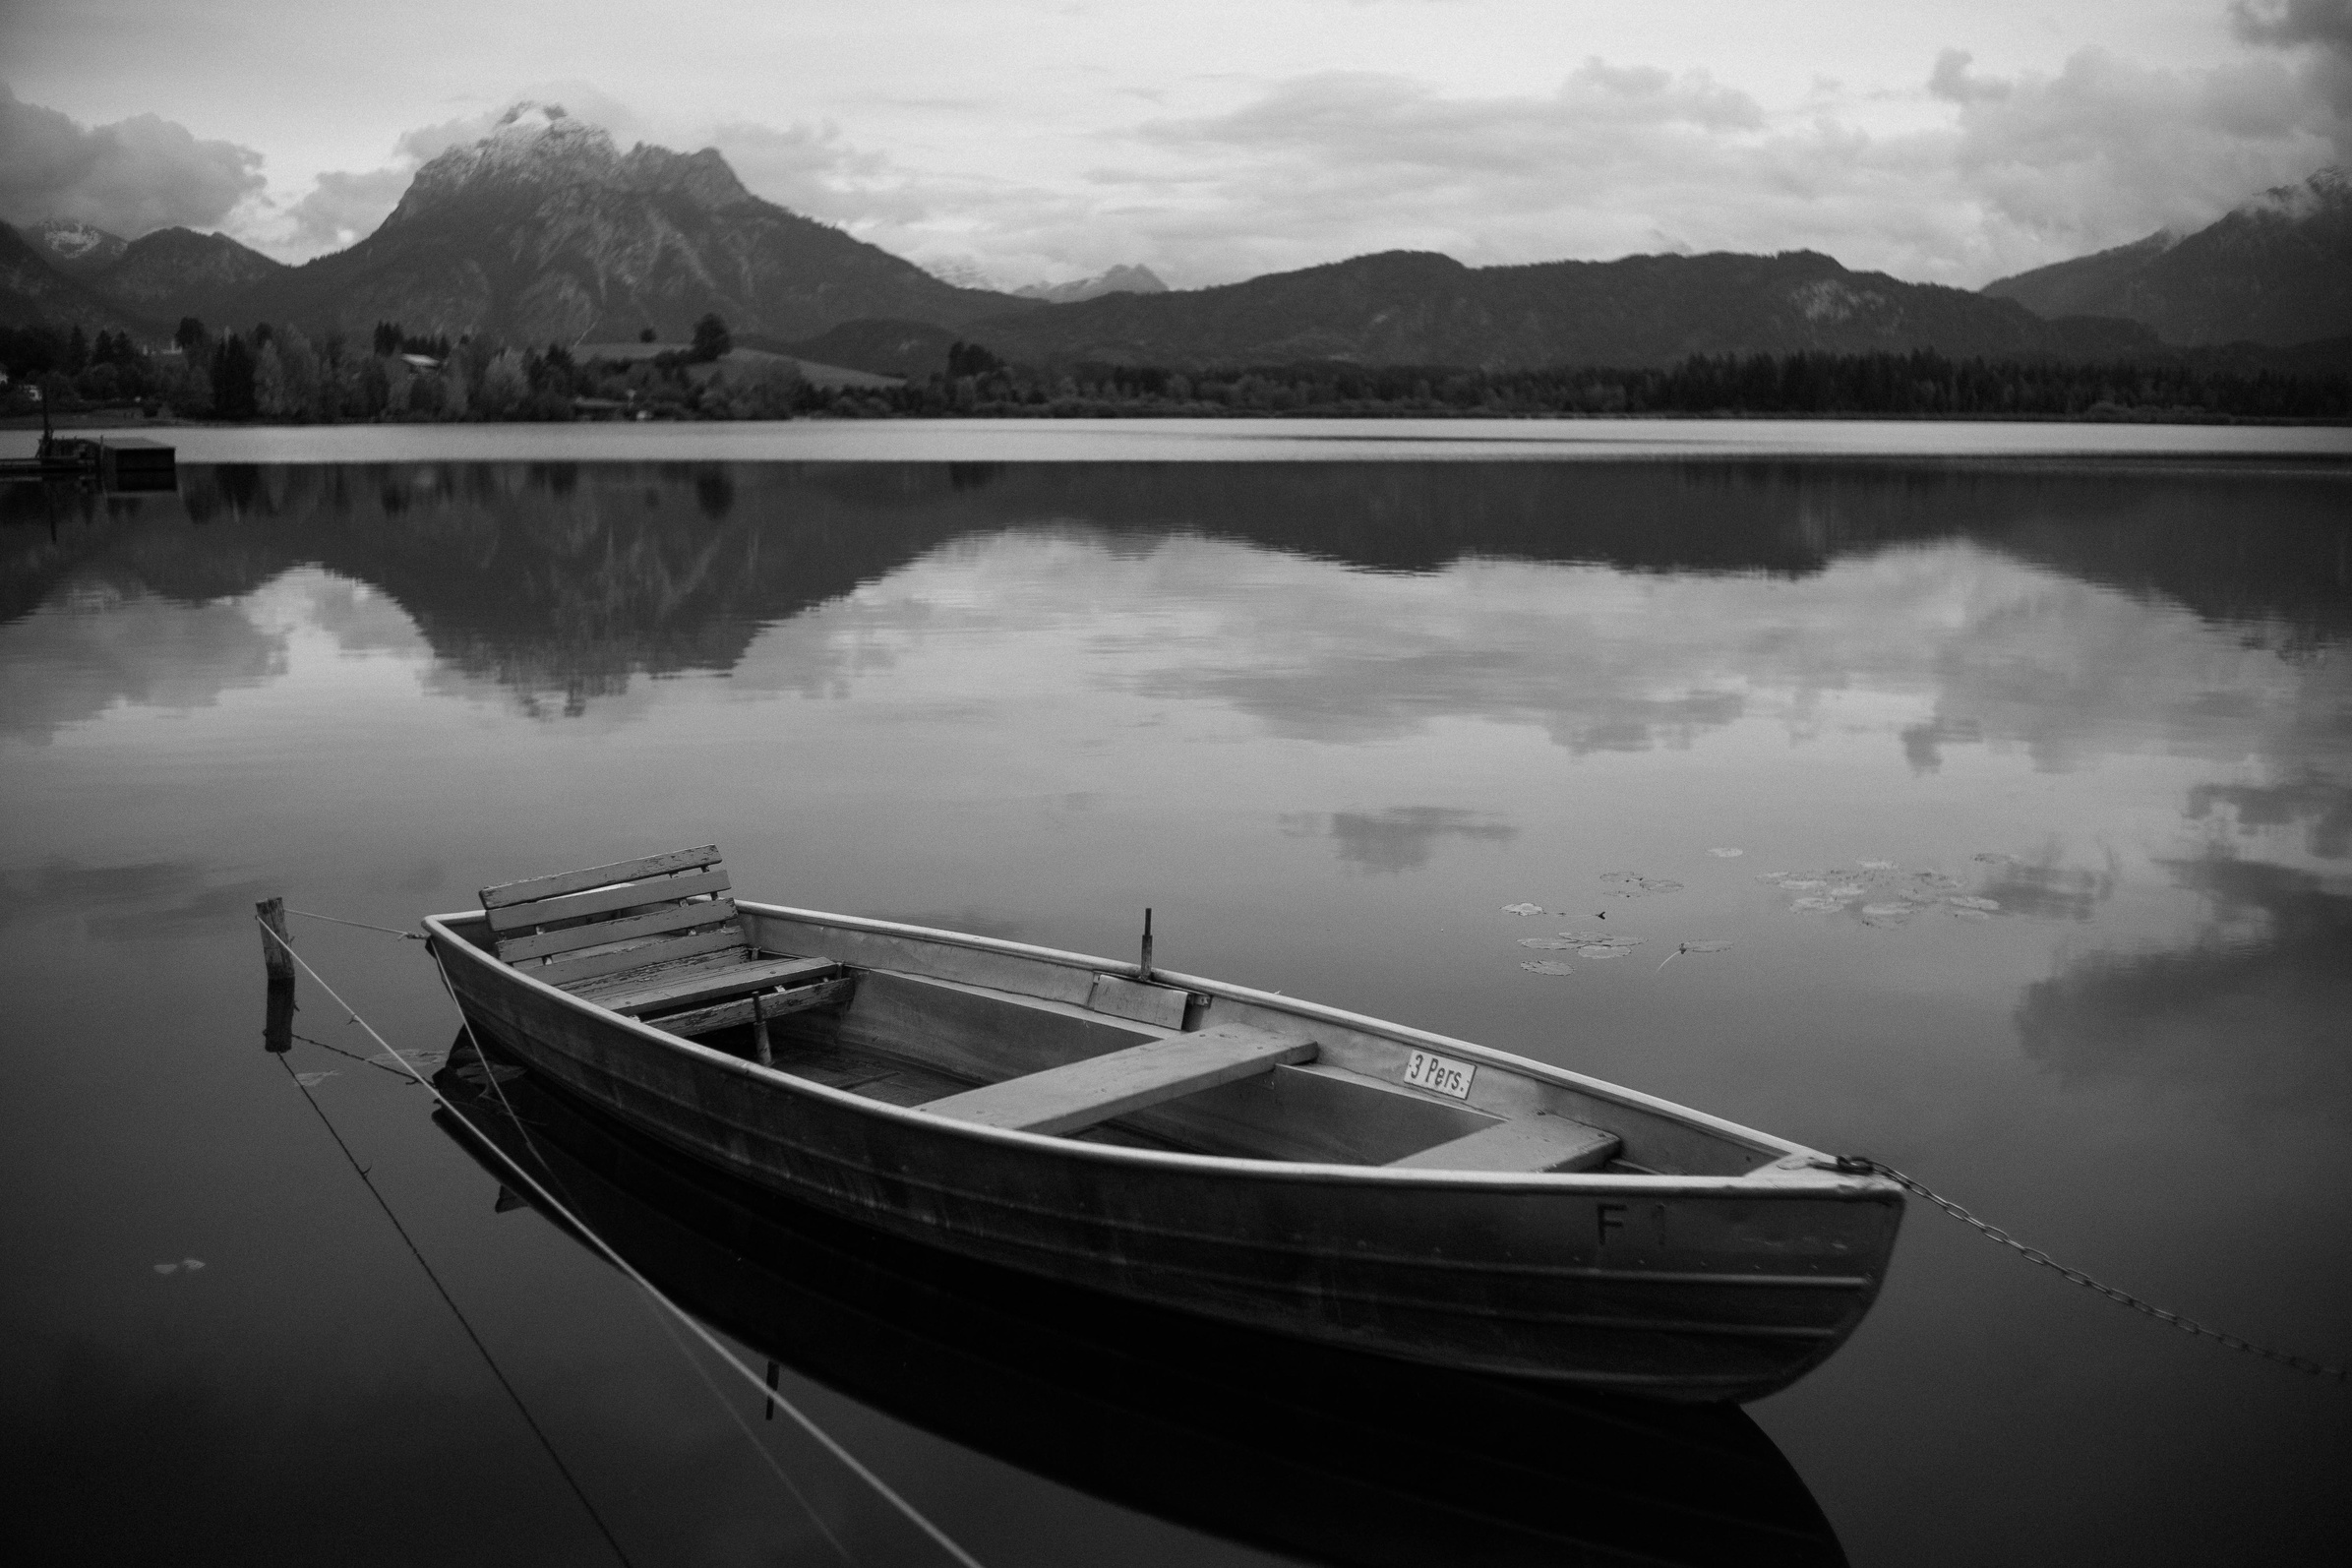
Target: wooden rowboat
[1269,1162]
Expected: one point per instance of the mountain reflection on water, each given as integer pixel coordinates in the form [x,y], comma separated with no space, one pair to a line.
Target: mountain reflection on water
[1322,1455]
[563,581]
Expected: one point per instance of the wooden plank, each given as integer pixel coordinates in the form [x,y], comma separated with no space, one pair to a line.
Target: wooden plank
[565,971]
[1100,1088]
[775,1005]
[1526,1143]
[1123,997]
[619,871]
[719,983]
[674,917]
[596,987]
[604,900]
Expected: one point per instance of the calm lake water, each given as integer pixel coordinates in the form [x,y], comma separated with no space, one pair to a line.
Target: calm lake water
[1328,719]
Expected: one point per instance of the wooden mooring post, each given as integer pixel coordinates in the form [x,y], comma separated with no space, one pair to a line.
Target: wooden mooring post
[278,948]
[278,961]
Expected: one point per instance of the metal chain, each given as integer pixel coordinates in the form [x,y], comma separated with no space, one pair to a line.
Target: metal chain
[1857,1164]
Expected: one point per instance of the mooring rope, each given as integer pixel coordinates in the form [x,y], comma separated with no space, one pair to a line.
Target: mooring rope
[338,920]
[693,1325]
[489,1361]
[881,1487]
[365,1062]
[1859,1165]
[669,1332]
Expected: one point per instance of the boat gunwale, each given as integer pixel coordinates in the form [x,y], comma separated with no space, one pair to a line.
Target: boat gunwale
[1784,1177]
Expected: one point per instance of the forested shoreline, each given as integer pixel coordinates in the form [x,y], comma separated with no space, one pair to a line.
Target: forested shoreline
[279,375]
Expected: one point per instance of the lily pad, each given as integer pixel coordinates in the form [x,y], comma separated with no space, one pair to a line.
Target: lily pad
[1847,891]
[1815,903]
[1704,948]
[1549,966]
[1886,911]
[1727,853]
[1986,904]
[1551,944]
[1602,938]
[1878,866]
[1801,884]
[1522,909]
[1631,884]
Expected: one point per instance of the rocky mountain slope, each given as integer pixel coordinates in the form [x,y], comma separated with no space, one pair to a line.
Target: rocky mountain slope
[75,248]
[1415,308]
[545,231]
[2279,270]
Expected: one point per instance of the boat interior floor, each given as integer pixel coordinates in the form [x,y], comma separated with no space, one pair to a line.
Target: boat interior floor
[806,1045]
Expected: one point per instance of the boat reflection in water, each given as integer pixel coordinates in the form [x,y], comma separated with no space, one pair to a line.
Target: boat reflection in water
[1319,1453]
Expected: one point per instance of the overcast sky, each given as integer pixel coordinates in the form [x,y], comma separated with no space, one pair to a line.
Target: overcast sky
[1946,140]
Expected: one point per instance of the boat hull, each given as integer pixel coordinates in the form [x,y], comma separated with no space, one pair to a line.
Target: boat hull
[1299,1449]
[1706,1289]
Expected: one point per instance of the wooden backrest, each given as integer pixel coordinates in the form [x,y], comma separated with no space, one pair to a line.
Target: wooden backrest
[605,919]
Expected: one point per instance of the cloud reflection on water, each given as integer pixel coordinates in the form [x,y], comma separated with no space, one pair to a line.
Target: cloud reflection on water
[1400,838]
[2255,1007]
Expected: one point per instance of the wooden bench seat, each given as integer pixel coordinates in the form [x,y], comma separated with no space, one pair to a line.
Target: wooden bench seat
[657,935]
[710,985]
[1081,1093]
[1534,1143]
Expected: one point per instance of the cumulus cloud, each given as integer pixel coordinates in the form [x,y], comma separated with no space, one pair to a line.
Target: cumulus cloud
[2104,150]
[813,170]
[2321,29]
[1951,81]
[341,208]
[129,177]
[2292,22]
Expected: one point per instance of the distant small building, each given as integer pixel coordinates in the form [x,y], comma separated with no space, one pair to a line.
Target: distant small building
[421,362]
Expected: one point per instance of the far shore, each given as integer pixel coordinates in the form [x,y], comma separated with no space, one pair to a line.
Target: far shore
[1227,440]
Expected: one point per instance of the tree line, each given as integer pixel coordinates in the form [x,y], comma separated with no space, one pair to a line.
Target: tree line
[1917,383]
[279,374]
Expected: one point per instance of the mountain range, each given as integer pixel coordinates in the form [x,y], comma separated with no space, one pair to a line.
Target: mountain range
[2277,270]
[543,231]
[1417,308]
